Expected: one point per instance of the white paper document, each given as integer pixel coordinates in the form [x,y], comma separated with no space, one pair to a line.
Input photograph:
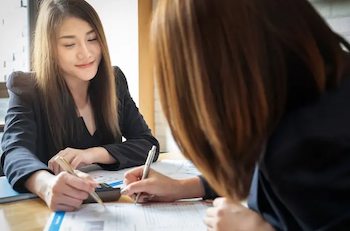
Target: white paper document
[184,216]
[177,169]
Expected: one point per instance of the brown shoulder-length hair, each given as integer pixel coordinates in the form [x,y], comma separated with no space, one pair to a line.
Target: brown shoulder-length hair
[225,71]
[57,101]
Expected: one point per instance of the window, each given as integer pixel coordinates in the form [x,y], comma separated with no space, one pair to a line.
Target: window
[17,20]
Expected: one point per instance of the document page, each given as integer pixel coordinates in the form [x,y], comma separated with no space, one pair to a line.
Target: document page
[177,169]
[130,217]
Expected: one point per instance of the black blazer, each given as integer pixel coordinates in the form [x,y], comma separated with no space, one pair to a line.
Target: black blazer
[24,141]
[303,180]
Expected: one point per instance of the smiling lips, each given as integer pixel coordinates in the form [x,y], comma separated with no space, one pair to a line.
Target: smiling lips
[84,66]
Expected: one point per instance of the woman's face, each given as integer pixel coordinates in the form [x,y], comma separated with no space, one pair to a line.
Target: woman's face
[79,52]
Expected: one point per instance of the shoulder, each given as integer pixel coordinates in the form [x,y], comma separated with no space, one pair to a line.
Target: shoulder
[22,83]
[313,137]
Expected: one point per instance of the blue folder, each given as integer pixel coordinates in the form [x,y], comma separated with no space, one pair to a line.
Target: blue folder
[7,194]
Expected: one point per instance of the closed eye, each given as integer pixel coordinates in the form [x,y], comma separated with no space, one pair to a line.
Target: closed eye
[91,40]
[69,45]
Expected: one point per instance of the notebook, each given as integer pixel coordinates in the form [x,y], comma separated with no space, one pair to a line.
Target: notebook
[7,194]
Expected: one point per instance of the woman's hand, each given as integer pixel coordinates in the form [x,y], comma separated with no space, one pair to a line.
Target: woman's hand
[66,192]
[157,187]
[226,216]
[75,157]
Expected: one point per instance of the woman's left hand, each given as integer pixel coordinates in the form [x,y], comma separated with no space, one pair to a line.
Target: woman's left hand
[227,216]
[75,157]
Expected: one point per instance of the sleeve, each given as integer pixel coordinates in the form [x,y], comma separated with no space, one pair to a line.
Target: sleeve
[209,193]
[139,139]
[313,182]
[18,159]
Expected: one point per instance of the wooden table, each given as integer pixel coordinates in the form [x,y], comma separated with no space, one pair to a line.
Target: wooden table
[32,215]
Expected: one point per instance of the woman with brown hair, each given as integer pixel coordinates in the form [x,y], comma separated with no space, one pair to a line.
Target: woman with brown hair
[74,104]
[256,94]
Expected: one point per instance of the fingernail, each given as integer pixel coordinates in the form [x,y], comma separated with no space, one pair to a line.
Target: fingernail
[123,191]
[93,183]
[145,199]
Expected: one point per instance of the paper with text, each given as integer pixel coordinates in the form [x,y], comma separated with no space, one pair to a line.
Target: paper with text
[129,217]
[177,169]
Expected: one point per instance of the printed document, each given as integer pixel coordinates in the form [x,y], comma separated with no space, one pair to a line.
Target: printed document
[177,169]
[175,216]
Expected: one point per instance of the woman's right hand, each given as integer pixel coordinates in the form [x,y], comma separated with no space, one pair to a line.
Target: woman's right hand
[65,192]
[157,187]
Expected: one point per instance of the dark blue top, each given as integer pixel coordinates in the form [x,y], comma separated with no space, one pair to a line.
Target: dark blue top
[303,180]
[24,142]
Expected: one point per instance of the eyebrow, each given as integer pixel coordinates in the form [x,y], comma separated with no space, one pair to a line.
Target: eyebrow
[73,36]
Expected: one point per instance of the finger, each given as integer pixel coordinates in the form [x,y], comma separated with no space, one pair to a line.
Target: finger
[78,183]
[72,201]
[86,177]
[144,197]
[139,186]
[64,153]
[209,222]
[126,182]
[55,168]
[81,164]
[49,164]
[133,196]
[75,162]
[59,169]
[62,188]
[134,174]
[69,157]
[219,201]
[211,212]
[83,175]
[64,208]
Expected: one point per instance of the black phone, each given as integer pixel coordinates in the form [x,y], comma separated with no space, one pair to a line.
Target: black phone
[106,192]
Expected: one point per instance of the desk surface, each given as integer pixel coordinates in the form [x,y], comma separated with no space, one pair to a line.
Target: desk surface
[32,214]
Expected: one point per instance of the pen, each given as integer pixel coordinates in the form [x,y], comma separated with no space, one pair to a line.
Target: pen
[63,163]
[147,167]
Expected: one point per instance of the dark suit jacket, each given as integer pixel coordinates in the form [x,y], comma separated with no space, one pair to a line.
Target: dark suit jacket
[24,141]
[303,180]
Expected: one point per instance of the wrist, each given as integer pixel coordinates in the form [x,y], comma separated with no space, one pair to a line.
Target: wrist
[189,188]
[38,183]
[101,155]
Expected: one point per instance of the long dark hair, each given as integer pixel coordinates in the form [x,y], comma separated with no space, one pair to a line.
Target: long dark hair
[227,71]
[57,101]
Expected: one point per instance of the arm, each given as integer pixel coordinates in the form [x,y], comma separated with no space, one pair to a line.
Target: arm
[162,186]
[139,139]
[190,188]
[18,159]
[23,169]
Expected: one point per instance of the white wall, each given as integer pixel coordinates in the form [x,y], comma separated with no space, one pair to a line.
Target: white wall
[120,22]
[14,44]
[14,39]
[336,13]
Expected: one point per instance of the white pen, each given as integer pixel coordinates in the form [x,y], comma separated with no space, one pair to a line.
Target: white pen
[147,167]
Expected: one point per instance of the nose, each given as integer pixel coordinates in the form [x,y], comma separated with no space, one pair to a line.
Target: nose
[84,52]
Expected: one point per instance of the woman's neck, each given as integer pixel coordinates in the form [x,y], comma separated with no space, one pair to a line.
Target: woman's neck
[79,91]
